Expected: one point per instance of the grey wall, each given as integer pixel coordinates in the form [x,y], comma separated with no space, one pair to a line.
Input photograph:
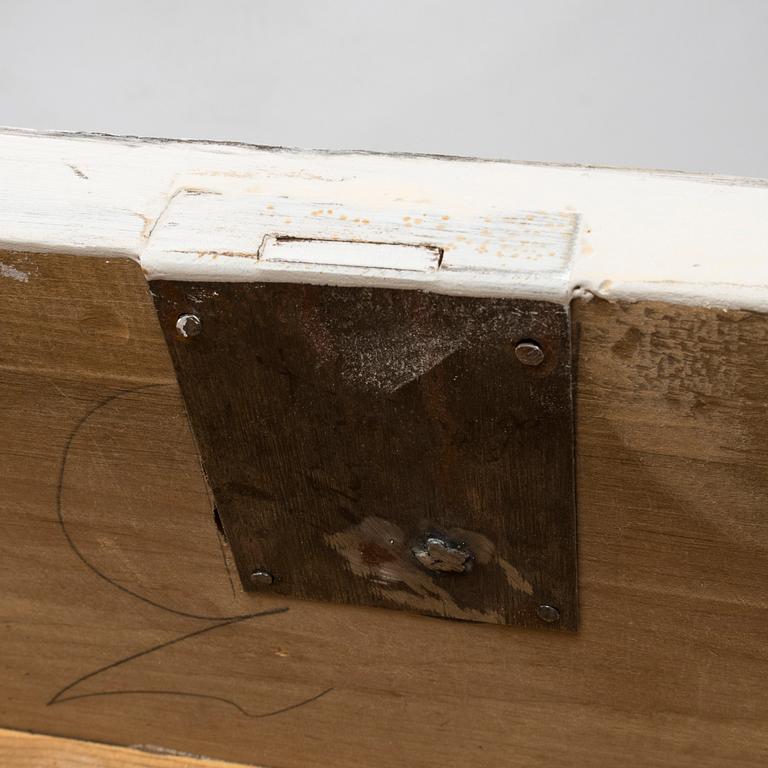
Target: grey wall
[659,83]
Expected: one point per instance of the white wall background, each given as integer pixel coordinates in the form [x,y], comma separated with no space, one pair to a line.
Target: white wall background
[677,84]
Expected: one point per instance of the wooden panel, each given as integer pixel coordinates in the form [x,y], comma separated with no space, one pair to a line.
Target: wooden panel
[28,750]
[122,620]
[342,428]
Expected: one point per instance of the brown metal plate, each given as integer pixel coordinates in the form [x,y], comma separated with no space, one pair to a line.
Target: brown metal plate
[386,447]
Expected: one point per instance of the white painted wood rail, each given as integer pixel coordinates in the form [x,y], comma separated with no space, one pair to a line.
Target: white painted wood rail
[197,210]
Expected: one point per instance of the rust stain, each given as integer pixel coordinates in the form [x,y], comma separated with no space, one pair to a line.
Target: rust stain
[373,554]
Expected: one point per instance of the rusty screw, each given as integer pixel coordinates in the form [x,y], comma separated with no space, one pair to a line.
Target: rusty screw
[188,325]
[262,578]
[548,613]
[529,353]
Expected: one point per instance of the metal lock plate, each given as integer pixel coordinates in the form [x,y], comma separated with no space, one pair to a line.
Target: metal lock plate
[386,447]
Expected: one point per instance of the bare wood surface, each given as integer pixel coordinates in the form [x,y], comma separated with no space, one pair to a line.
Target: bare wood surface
[33,750]
[122,620]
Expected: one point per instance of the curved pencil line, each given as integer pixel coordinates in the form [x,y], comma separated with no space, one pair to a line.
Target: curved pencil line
[222,621]
[59,493]
[141,692]
[190,694]
[57,696]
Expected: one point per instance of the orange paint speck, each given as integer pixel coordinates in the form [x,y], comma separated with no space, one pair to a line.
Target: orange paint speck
[365,221]
[330,211]
[445,218]
[406,218]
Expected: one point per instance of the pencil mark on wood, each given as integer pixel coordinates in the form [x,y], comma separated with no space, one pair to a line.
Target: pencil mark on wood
[57,697]
[210,697]
[225,621]
[62,522]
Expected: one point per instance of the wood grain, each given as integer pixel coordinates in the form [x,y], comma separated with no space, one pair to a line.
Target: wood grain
[122,620]
[28,750]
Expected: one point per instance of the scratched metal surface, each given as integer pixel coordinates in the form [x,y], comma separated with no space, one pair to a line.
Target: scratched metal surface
[341,427]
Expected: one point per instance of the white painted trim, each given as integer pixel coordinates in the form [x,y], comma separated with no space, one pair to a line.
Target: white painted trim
[338,253]
[196,210]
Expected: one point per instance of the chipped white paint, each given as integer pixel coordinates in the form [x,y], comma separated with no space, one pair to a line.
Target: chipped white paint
[348,234]
[193,210]
[8,270]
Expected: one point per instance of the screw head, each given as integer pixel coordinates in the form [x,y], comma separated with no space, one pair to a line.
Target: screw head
[437,554]
[188,325]
[262,578]
[529,353]
[548,613]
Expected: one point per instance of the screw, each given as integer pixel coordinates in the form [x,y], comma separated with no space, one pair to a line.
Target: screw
[189,326]
[262,578]
[529,353]
[436,554]
[548,613]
